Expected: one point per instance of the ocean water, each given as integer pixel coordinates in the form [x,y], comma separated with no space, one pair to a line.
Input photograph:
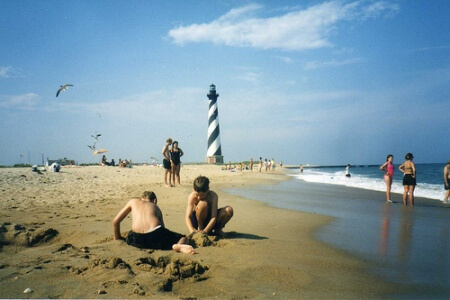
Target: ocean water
[429,178]
[408,245]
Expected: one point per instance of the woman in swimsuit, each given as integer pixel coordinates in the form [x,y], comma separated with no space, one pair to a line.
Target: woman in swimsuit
[175,155]
[388,167]
[447,181]
[409,178]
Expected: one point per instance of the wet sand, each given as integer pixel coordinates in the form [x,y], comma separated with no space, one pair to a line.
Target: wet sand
[400,244]
[56,231]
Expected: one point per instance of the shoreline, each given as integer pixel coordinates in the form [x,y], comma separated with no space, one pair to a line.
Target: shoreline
[272,252]
[389,237]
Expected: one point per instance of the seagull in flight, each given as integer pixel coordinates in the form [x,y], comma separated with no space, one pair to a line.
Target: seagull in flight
[63,87]
[96,136]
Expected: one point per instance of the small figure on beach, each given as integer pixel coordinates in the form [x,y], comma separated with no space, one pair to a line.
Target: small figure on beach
[166,162]
[202,212]
[388,168]
[55,167]
[409,178]
[272,165]
[124,163]
[147,226]
[260,164]
[447,181]
[251,164]
[104,162]
[175,162]
[347,171]
[301,169]
[36,169]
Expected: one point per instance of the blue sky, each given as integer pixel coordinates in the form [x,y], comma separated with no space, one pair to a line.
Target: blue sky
[319,82]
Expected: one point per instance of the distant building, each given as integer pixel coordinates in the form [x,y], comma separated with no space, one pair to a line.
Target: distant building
[61,161]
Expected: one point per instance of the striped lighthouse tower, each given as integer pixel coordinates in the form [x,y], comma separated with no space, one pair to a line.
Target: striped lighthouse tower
[214,153]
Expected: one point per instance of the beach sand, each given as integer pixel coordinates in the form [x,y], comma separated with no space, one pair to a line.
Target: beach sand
[56,231]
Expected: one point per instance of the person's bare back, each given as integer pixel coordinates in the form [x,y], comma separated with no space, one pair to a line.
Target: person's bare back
[147,226]
[145,215]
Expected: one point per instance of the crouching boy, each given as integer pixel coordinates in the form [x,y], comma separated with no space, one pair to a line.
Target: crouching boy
[202,212]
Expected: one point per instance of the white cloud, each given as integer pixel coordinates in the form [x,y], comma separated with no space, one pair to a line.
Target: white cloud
[4,72]
[141,107]
[375,10]
[250,77]
[310,28]
[285,59]
[430,48]
[332,63]
[24,101]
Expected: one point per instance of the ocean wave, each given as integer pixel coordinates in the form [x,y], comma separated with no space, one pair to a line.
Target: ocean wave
[425,190]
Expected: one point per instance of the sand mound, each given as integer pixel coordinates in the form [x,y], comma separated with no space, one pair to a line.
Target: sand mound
[103,264]
[174,269]
[20,235]
[201,239]
[168,269]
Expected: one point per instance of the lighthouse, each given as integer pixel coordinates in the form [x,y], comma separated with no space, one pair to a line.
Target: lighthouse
[214,153]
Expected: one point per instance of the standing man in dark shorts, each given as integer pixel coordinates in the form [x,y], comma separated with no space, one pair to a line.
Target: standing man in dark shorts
[147,226]
[166,162]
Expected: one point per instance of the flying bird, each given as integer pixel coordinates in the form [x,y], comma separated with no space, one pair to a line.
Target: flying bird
[96,136]
[63,87]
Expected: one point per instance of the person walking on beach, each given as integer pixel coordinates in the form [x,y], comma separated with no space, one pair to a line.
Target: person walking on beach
[260,164]
[347,171]
[147,226]
[388,168]
[166,162]
[175,155]
[447,181]
[251,164]
[202,212]
[409,178]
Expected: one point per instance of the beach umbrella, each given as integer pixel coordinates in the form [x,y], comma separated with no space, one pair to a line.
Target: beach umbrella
[99,151]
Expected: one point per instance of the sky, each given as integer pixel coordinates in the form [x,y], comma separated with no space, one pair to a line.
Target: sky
[311,82]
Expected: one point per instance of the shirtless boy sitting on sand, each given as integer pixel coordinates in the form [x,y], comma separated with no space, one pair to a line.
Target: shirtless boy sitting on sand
[202,213]
[147,228]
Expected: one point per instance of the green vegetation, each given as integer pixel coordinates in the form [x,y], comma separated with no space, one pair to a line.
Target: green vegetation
[17,166]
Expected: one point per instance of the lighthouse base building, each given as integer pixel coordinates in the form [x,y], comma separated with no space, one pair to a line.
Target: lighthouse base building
[217,159]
